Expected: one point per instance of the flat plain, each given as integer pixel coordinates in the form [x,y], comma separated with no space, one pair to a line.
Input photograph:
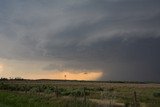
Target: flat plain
[64,93]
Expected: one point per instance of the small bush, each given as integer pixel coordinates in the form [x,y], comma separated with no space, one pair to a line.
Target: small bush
[66,92]
[99,89]
[156,94]
[77,92]
[111,89]
[34,90]
[48,91]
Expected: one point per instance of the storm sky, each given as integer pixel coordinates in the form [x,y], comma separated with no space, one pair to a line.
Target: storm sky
[114,39]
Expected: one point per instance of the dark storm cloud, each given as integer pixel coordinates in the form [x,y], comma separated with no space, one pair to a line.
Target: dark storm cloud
[120,37]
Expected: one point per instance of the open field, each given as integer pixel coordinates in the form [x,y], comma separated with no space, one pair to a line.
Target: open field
[50,93]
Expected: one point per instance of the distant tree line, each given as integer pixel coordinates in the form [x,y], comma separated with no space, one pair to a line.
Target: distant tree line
[6,79]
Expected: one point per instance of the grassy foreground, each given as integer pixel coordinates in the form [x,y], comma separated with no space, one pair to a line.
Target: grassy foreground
[16,99]
[44,93]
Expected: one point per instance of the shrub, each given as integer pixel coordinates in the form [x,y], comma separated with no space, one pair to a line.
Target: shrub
[34,90]
[99,89]
[4,86]
[77,92]
[66,92]
[156,94]
[48,91]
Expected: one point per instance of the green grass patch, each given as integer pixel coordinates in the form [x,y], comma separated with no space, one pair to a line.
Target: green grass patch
[15,99]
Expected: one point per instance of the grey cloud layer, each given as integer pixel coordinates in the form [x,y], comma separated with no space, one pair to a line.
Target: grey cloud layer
[120,37]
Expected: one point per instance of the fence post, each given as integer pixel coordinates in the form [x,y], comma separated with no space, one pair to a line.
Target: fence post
[25,88]
[136,104]
[135,97]
[84,96]
[56,91]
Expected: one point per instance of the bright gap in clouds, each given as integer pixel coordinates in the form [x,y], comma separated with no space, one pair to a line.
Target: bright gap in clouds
[1,68]
[67,75]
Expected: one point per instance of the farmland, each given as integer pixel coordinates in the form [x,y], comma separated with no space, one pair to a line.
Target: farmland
[56,93]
